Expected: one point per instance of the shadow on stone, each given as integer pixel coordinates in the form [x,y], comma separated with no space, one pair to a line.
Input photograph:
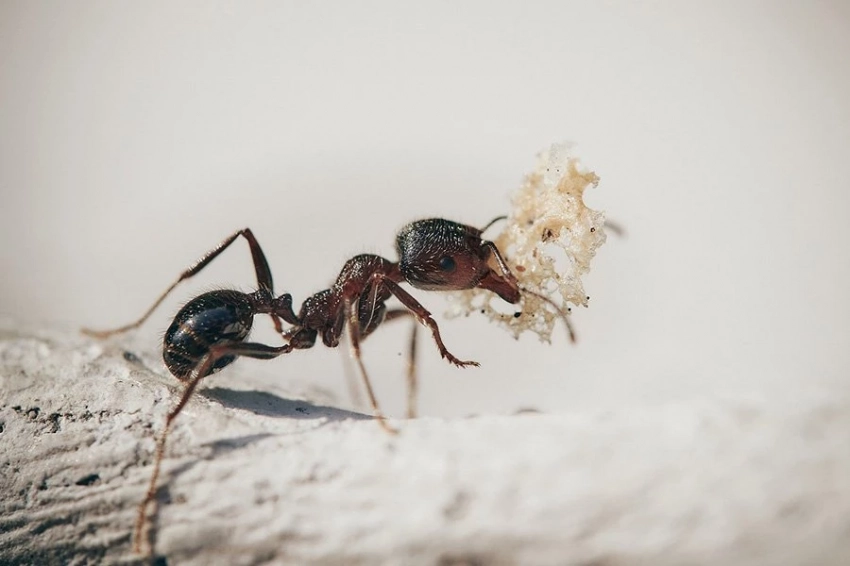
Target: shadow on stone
[270,405]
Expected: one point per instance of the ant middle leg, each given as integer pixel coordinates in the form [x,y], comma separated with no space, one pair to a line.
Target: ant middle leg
[412,381]
[378,314]
[261,267]
[410,371]
[353,324]
[351,382]
[247,349]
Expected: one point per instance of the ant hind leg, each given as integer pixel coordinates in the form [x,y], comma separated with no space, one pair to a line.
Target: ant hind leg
[248,349]
[261,267]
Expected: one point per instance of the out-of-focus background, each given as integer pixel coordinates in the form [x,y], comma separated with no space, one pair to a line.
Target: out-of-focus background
[134,137]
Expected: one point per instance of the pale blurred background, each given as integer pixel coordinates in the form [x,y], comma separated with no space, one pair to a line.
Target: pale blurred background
[135,136]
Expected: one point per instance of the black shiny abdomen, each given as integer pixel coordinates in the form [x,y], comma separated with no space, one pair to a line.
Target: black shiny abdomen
[206,320]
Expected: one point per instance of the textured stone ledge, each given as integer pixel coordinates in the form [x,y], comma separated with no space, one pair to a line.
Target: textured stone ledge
[253,478]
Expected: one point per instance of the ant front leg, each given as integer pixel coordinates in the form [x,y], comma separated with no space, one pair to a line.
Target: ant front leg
[261,267]
[248,349]
[423,315]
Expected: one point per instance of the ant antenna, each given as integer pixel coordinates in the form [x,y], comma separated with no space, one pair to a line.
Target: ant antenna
[561,312]
[497,219]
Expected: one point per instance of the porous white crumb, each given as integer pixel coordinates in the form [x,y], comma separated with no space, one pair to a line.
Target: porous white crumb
[548,240]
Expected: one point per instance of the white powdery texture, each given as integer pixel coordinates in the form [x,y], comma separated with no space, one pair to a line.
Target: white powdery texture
[548,241]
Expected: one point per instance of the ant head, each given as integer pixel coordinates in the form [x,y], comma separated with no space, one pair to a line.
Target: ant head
[441,255]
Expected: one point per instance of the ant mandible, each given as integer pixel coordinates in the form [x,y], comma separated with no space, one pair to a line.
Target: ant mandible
[210,331]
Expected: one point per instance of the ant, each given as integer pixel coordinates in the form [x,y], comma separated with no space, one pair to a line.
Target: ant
[211,330]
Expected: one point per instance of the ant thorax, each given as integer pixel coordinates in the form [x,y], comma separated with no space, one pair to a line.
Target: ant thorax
[548,240]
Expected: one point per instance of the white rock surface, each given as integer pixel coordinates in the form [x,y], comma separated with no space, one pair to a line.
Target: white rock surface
[253,478]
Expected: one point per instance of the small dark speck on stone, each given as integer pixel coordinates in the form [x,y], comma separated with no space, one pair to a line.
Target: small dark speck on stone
[88,480]
[160,561]
[301,410]
[517,314]
[131,357]
[32,414]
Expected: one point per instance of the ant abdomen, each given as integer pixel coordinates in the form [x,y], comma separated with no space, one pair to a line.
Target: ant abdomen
[207,320]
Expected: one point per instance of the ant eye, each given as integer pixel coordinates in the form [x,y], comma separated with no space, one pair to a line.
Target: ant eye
[447,263]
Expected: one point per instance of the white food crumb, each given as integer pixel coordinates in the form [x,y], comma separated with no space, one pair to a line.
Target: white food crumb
[548,241]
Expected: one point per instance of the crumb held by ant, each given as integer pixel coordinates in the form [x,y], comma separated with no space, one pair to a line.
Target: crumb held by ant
[549,240]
